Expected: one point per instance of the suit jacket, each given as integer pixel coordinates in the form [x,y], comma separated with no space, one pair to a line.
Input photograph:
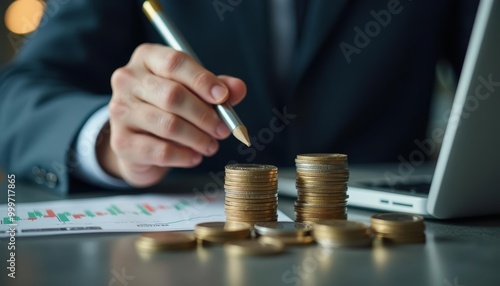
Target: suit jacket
[360,83]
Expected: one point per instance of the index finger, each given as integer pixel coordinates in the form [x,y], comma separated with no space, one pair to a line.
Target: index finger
[178,66]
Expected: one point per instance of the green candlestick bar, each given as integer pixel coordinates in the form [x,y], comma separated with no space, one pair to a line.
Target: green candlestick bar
[89,214]
[111,211]
[31,215]
[38,214]
[118,210]
[63,216]
[143,210]
[6,220]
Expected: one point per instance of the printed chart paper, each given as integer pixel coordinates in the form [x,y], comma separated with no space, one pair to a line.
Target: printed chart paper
[140,213]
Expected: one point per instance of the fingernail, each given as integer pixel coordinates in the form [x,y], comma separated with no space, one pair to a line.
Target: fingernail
[219,92]
[212,147]
[222,130]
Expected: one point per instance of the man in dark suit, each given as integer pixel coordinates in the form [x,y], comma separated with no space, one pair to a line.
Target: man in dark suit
[328,76]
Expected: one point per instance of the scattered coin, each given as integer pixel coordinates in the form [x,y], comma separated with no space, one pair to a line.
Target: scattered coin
[220,232]
[254,247]
[283,229]
[165,240]
[341,233]
[288,240]
[399,227]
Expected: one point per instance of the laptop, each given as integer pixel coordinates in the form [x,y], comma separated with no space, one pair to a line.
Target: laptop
[465,180]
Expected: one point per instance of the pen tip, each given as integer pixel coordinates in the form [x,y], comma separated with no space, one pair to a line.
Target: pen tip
[241,134]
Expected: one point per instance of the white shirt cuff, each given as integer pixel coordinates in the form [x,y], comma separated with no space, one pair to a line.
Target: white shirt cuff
[88,167]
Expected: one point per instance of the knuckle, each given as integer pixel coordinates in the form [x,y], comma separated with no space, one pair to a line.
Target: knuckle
[162,122]
[117,109]
[143,49]
[173,60]
[202,79]
[206,116]
[171,125]
[172,95]
[201,143]
[119,142]
[163,152]
[120,77]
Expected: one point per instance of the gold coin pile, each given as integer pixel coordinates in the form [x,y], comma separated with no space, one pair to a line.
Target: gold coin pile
[321,187]
[399,227]
[251,193]
[342,233]
[165,240]
[288,233]
[220,232]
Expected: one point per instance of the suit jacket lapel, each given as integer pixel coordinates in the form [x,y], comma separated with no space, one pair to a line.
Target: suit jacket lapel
[321,16]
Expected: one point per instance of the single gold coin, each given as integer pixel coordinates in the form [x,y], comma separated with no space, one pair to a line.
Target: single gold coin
[238,201]
[397,219]
[283,228]
[212,228]
[288,240]
[246,168]
[253,247]
[322,157]
[165,240]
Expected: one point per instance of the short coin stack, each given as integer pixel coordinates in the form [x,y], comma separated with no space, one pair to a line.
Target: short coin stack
[251,193]
[321,187]
[220,232]
[342,233]
[286,232]
[399,227]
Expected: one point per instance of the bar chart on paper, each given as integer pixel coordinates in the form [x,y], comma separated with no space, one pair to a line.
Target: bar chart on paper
[113,214]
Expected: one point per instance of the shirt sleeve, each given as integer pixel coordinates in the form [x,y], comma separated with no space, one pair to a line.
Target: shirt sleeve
[87,166]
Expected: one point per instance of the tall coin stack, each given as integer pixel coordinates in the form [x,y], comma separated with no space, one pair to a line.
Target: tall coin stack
[321,187]
[251,193]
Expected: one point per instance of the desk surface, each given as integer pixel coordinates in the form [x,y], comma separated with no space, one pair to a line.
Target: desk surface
[457,252]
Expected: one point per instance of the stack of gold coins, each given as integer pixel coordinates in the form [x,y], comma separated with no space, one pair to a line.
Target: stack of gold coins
[399,227]
[165,240]
[288,233]
[342,233]
[220,232]
[251,193]
[321,187]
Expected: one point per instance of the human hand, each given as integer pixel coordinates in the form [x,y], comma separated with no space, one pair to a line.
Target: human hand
[161,115]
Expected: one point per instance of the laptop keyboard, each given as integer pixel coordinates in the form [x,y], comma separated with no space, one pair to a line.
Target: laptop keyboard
[413,187]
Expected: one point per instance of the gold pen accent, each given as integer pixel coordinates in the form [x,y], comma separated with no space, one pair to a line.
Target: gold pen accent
[174,38]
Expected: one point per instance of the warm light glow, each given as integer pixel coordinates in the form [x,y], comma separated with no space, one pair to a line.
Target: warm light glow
[23,16]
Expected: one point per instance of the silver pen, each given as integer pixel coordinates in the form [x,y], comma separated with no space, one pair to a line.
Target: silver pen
[174,38]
